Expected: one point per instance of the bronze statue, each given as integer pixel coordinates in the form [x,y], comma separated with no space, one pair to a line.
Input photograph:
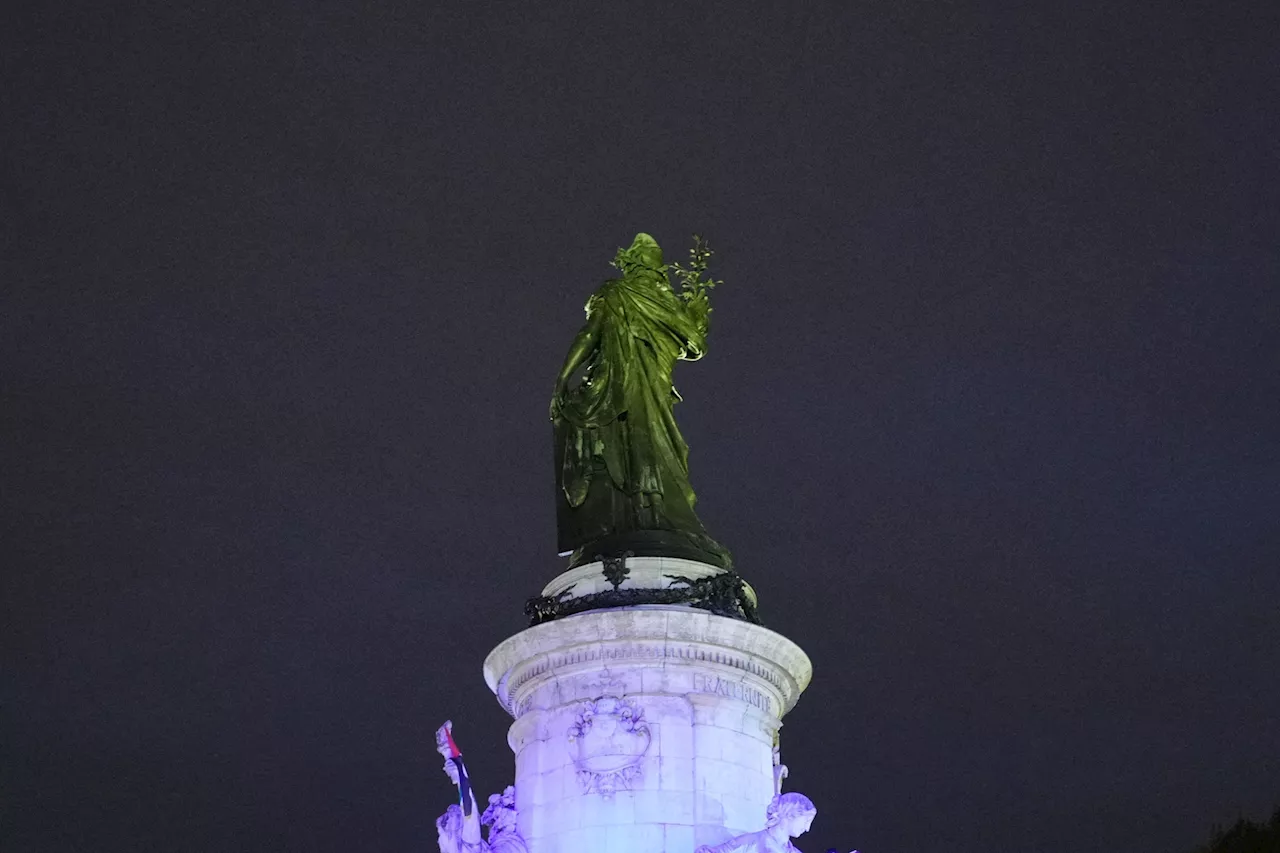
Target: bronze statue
[622,465]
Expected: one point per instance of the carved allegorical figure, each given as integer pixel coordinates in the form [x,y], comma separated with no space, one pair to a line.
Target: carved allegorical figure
[500,817]
[789,816]
[622,465]
[459,827]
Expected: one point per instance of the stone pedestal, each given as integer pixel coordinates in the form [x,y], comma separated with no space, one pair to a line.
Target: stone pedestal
[644,729]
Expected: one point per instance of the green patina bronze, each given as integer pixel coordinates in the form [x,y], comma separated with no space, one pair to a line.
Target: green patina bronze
[622,465]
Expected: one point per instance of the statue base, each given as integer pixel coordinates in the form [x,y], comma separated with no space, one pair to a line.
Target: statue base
[646,729]
[653,543]
[630,581]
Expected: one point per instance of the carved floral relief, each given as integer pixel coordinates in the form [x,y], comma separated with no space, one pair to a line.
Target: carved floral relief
[608,740]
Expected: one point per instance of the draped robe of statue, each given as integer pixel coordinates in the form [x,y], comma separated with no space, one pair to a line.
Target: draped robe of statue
[623,467]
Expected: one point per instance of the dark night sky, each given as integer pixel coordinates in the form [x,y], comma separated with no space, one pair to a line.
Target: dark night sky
[989,418]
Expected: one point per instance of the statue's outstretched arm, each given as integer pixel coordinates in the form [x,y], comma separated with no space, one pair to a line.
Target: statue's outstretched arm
[583,346]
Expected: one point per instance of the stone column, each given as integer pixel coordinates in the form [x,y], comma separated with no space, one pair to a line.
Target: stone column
[643,729]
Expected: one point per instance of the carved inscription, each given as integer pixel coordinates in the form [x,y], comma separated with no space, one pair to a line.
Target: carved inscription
[703,683]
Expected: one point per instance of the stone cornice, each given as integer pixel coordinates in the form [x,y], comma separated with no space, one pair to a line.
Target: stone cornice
[647,635]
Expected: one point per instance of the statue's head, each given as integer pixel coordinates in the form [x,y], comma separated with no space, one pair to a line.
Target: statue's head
[646,247]
[643,253]
[449,828]
[792,811]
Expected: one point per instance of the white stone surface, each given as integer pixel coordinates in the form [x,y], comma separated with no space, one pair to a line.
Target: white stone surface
[646,729]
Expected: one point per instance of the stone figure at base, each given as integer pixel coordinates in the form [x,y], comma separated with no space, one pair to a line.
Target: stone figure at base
[500,817]
[622,465]
[459,827]
[458,834]
[789,816]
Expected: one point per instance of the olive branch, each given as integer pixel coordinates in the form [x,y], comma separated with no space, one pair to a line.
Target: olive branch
[692,284]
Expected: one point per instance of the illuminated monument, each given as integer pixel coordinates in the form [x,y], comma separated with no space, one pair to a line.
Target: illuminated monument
[647,697]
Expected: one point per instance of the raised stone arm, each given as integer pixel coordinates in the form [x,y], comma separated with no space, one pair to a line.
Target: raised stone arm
[459,827]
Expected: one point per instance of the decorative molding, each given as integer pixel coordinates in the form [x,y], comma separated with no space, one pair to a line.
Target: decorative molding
[521,667]
[724,594]
[615,569]
[686,652]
